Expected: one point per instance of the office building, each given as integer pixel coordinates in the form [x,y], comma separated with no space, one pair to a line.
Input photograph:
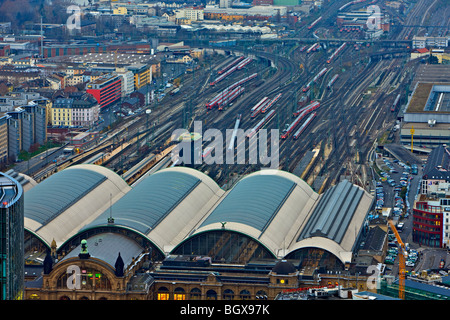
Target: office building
[106,89]
[12,239]
[431,212]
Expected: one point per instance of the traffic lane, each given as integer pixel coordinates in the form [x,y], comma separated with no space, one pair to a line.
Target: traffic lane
[430,258]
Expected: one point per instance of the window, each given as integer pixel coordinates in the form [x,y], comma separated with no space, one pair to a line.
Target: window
[244,295]
[211,295]
[91,279]
[179,294]
[228,294]
[163,294]
[196,294]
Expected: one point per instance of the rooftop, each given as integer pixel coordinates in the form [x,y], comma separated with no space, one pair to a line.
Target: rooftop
[438,162]
[108,59]
[10,190]
[426,97]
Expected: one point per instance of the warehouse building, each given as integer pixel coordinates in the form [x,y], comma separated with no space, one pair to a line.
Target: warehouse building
[180,219]
[427,116]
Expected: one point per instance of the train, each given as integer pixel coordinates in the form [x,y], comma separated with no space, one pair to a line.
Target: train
[223,76]
[223,94]
[395,104]
[317,76]
[231,96]
[303,113]
[174,91]
[350,3]
[243,63]
[304,125]
[242,81]
[231,64]
[335,53]
[314,47]
[207,152]
[257,107]
[310,107]
[314,23]
[332,81]
[270,104]
[261,123]
[303,48]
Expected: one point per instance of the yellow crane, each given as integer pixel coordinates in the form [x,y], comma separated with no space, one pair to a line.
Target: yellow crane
[401,263]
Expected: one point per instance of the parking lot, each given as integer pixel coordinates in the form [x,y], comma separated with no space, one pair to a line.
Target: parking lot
[397,180]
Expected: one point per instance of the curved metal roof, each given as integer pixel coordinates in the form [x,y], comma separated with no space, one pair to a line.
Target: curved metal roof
[150,201]
[164,207]
[336,221]
[107,246]
[268,205]
[58,206]
[333,213]
[52,196]
[253,201]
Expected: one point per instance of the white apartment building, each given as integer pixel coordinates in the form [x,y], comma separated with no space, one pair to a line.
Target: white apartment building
[85,116]
[429,42]
[127,81]
[73,80]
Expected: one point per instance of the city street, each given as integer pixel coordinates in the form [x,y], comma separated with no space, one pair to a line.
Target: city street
[429,258]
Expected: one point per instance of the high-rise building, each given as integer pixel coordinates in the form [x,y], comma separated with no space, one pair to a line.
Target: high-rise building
[11,239]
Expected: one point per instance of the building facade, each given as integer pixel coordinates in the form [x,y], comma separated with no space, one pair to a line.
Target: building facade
[106,90]
[142,75]
[431,212]
[127,81]
[70,112]
[3,138]
[62,113]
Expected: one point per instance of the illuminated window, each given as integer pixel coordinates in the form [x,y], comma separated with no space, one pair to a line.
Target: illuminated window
[163,293]
[179,294]
[163,296]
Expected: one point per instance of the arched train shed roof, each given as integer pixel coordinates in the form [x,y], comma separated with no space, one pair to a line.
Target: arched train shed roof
[165,206]
[268,205]
[58,206]
[336,221]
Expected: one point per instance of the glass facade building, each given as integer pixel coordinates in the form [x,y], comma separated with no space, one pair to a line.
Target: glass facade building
[11,239]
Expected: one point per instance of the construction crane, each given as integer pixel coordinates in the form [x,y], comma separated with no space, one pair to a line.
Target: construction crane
[401,263]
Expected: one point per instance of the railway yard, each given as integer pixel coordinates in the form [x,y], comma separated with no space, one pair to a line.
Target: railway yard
[336,95]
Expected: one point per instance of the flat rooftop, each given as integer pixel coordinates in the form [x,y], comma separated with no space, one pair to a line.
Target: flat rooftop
[108,58]
[9,189]
[430,97]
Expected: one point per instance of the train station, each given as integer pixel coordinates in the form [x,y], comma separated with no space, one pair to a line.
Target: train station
[179,219]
